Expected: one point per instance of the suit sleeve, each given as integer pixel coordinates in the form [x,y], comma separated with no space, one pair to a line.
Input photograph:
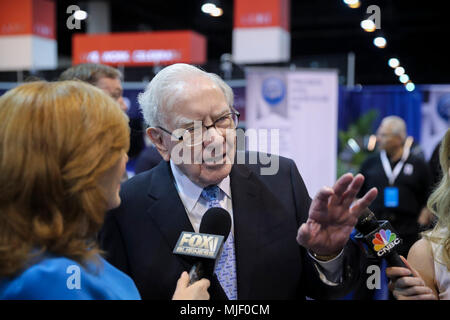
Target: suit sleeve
[111,241]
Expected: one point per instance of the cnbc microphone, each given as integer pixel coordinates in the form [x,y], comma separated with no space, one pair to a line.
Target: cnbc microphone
[380,238]
[205,245]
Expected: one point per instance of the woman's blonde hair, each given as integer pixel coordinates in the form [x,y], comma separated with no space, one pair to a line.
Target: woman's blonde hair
[56,140]
[439,204]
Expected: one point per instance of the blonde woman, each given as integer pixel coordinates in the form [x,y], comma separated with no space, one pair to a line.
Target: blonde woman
[62,155]
[429,258]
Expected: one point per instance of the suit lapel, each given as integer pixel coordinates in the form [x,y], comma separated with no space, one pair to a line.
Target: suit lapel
[246,215]
[167,210]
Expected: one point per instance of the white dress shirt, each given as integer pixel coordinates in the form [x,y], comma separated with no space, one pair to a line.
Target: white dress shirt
[195,205]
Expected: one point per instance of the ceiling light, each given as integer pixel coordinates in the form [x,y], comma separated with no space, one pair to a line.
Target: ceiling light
[404,78]
[410,86]
[216,12]
[208,7]
[352,3]
[368,25]
[80,15]
[399,71]
[393,62]
[380,42]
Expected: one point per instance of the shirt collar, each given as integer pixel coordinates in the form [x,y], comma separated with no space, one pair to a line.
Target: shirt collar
[189,191]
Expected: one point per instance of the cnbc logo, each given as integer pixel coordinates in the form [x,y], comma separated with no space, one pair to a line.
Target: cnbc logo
[384,241]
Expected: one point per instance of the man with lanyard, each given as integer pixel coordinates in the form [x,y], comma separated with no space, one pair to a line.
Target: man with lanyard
[402,180]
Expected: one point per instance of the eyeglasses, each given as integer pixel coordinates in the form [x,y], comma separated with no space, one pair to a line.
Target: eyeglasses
[194,135]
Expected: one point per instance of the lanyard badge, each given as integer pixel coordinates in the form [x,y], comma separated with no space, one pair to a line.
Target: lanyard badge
[391,194]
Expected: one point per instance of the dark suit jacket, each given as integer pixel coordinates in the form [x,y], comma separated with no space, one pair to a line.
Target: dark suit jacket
[139,236]
[147,159]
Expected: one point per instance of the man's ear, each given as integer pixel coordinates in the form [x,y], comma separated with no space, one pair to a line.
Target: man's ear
[156,137]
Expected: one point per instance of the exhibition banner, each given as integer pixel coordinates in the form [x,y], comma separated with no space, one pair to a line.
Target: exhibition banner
[294,114]
[435,116]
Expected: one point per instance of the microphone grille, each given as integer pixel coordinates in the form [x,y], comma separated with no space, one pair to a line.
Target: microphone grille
[367,222]
[216,221]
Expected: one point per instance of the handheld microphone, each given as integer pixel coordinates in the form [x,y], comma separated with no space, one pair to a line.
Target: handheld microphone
[215,227]
[380,238]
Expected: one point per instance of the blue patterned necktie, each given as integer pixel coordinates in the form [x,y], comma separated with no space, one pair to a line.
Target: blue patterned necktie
[226,266]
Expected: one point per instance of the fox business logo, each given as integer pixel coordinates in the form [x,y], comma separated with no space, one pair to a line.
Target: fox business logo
[201,245]
[384,241]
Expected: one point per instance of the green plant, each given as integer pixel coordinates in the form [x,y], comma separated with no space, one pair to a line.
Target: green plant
[353,143]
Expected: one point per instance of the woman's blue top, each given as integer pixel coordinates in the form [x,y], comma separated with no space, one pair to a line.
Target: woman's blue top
[59,278]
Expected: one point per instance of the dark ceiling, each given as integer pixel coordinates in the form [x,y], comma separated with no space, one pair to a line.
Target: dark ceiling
[416,32]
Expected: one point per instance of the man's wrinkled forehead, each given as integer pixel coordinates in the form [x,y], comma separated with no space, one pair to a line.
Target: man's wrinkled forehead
[179,89]
[190,88]
[176,92]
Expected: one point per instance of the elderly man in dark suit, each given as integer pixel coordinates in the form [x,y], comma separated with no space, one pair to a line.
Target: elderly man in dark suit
[282,244]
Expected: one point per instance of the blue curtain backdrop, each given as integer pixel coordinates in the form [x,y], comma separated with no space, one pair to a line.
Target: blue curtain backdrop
[387,100]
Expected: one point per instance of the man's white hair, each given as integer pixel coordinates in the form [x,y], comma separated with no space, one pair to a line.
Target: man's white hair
[167,86]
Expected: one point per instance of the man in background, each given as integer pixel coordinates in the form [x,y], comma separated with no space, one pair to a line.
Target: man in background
[103,77]
[109,80]
[402,179]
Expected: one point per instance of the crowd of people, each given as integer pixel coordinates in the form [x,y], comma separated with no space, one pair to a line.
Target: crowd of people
[67,204]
